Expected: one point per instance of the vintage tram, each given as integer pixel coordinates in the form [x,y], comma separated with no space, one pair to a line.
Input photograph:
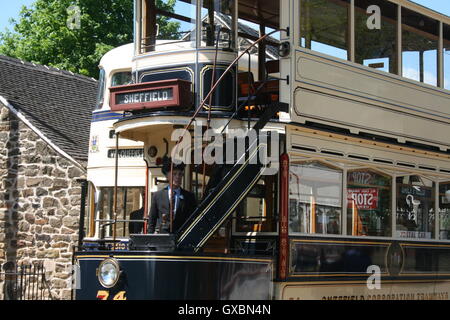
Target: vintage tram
[315,139]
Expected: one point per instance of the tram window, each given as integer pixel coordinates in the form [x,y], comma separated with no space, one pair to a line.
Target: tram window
[256,213]
[223,97]
[179,27]
[101,89]
[444,211]
[89,222]
[420,37]
[315,198]
[375,43]
[121,78]
[415,207]
[324,26]
[447,56]
[175,20]
[369,200]
[217,14]
[128,199]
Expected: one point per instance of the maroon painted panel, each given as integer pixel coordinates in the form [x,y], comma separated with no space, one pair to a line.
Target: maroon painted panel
[163,94]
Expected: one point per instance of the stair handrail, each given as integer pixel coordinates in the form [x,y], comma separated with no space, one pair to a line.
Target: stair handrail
[211,91]
[213,88]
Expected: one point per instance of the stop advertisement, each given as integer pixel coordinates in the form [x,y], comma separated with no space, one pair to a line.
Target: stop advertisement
[363,198]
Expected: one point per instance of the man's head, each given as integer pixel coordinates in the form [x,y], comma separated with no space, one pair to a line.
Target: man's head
[177,172]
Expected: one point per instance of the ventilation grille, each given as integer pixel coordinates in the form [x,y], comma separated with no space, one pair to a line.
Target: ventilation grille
[334,153]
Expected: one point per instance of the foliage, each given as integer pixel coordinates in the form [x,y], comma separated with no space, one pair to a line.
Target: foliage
[42,34]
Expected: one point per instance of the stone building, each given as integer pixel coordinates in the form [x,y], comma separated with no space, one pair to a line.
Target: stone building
[44,136]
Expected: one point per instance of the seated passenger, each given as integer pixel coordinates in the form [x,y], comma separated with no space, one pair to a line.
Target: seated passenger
[183,205]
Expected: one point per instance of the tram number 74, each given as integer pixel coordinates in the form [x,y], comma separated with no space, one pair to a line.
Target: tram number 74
[104,295]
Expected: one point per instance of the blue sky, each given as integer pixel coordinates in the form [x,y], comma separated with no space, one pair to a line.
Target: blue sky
[11,9]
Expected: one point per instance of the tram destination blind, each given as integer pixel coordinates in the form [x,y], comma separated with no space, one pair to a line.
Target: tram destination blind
[165,94]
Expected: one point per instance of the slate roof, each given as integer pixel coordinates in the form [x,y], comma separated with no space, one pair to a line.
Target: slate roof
[58,103]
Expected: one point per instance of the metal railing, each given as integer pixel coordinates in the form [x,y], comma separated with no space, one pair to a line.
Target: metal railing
[25,282]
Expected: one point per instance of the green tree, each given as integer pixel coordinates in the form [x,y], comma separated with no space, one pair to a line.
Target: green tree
[42,34]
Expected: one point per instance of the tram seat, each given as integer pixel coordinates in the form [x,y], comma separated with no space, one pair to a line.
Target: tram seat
[246,84]
[269,92]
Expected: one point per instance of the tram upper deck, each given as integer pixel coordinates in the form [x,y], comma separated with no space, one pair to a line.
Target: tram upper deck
[378,68]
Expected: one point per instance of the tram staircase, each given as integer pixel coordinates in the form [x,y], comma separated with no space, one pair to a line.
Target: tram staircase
[233,182]
[223,198]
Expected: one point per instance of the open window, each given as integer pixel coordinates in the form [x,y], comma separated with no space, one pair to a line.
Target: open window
[166,21]
[420,39]
[446,56]
[376,44]
[256,213]
[129,199]
[218,23]
[324,26]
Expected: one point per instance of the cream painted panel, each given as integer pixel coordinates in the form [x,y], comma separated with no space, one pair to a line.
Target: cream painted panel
[349,113]
[161,59]
[376,85]
[128,176]
[388,291]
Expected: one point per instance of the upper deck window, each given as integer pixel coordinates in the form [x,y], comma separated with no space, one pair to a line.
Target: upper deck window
[375,39]
[216,15]
[169,20]
[324,26]
[446,56]
[420,38]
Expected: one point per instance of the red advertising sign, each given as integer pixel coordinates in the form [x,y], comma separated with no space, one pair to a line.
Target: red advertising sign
[363,198]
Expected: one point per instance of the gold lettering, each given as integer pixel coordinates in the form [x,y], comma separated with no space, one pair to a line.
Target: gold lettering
[102,295]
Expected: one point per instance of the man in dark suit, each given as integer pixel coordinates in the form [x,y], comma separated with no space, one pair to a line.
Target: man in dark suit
[183,205]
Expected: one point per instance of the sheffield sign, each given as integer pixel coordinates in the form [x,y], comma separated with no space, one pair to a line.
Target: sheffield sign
[152,95]
[145,96]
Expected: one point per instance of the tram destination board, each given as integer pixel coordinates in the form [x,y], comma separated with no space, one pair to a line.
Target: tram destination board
[152,95]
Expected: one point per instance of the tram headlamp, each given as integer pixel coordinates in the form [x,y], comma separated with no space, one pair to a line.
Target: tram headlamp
[109,273]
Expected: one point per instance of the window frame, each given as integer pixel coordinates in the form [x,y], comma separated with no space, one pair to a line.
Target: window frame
[381,173]
[343,222]
[392,172]
[352,38]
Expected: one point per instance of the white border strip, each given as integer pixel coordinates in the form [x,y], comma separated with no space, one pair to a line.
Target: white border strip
[39,133]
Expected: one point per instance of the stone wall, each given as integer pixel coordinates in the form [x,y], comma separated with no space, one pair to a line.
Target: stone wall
[39,204]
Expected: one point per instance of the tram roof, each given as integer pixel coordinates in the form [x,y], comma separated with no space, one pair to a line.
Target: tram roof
[268,11]
[424,10]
